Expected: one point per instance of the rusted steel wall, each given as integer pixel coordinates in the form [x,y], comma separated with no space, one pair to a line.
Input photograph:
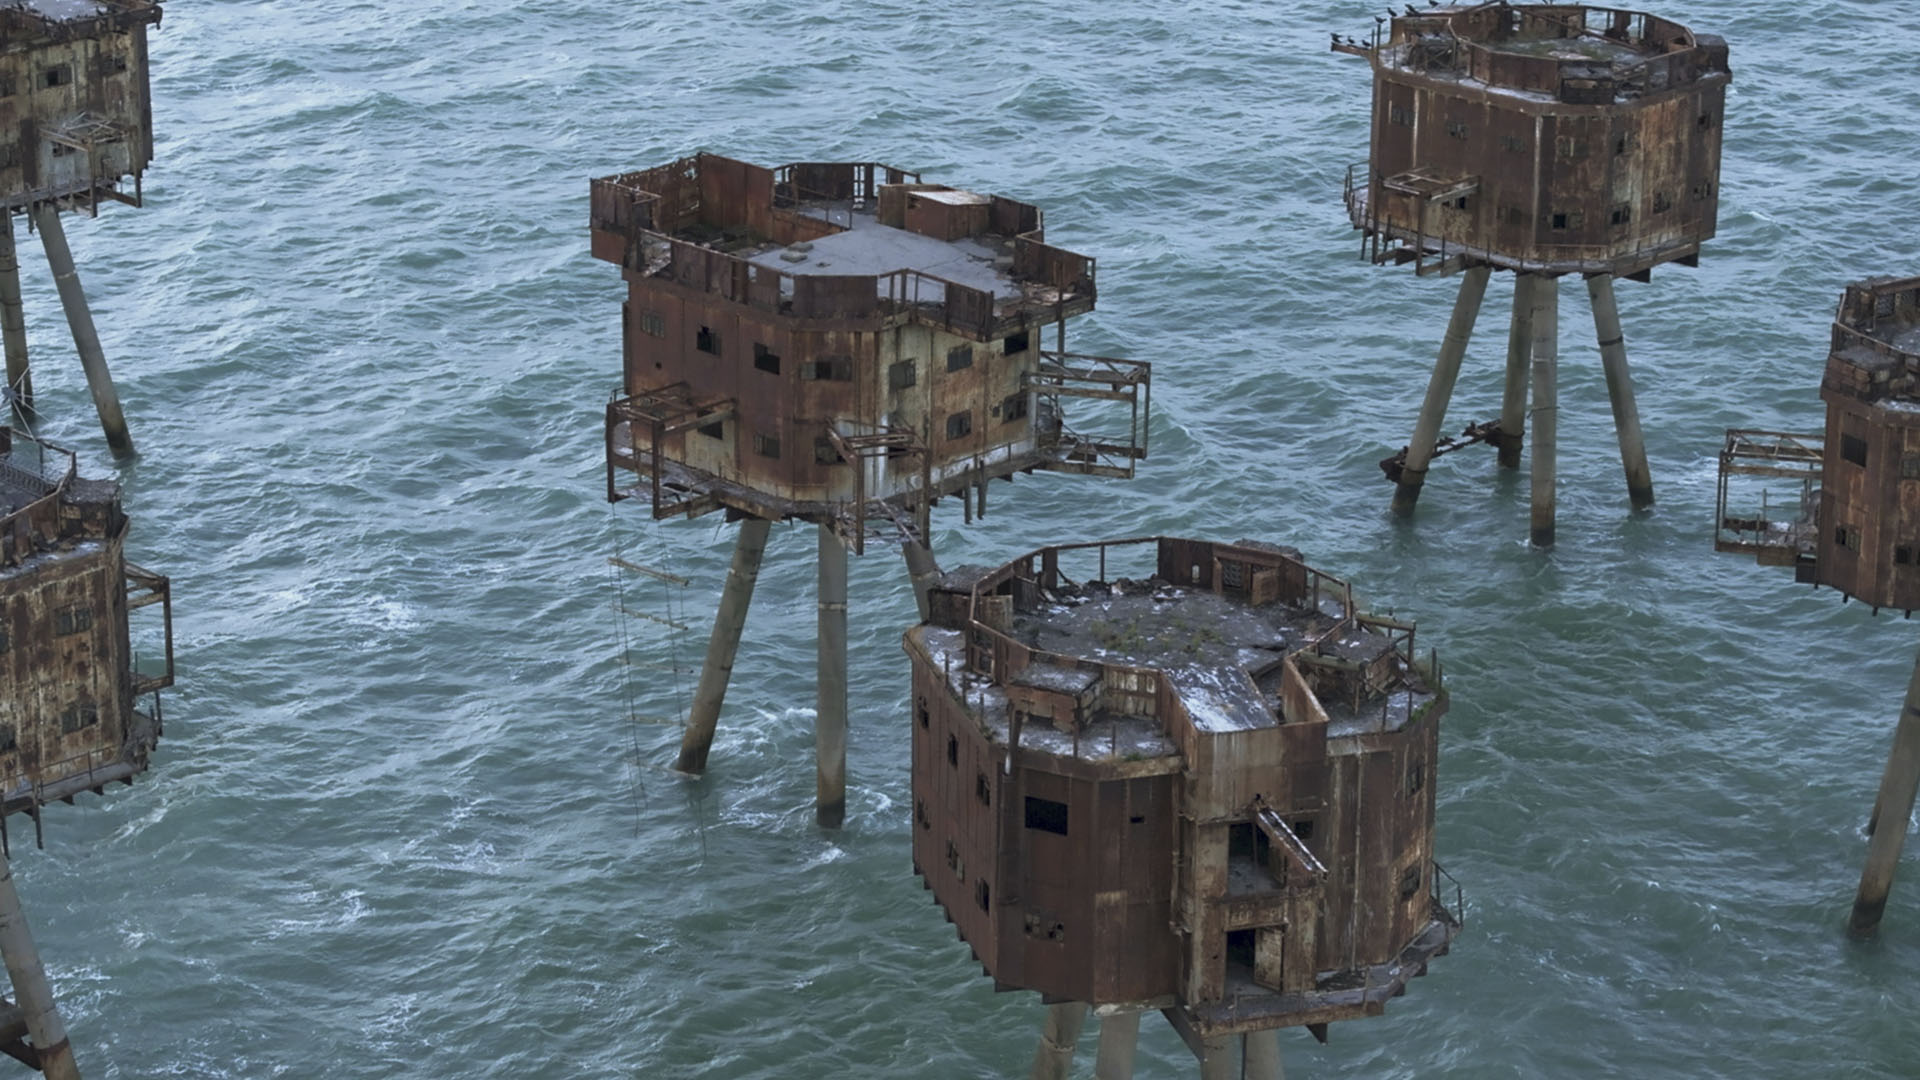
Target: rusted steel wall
[1568,174]
[55,75]
[1361,801]
[1869,538]
[65,655]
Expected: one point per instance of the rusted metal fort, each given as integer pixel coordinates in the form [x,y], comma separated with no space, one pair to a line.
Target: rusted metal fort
[840,344]
[1178,775]
[71,717]
[1841,509]
[76,126]
[1545,139]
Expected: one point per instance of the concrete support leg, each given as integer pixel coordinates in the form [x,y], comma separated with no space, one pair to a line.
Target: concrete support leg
[1433,412]
[1119,1034]
[923,571]
[30,990]
[1513,403]
[1626,416]
[830,702]
[1263,1056]
[1053,1058]
[86,340]
[748,549]
[1546,403]
[1892,811]
[1220,1057]
[13,323]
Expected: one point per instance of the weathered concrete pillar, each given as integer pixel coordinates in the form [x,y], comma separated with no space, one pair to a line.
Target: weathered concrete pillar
[830,701]
[748,549]
[1626,416]
[1220,1057]
[1053,1058]
[1546,403]
[1433,412]
[13,322]
[1119,1035]
[1893,810]
[30,990]
[923,571]
[1263,1056]
[86,340]
[1513,403]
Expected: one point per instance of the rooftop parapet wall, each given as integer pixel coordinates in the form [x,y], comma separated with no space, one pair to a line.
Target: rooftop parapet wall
[688,222]
[1570,53]
[35,21]
[1876,344]
[43,502]
[1325,661]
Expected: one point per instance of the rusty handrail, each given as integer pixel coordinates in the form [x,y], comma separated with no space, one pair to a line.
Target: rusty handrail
[11,530]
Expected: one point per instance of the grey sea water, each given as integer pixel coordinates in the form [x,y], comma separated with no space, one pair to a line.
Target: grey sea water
[402,825]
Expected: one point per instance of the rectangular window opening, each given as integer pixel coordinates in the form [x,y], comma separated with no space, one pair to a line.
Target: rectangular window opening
[763,360]
[1410,880]
[825,454]
[901,375]
[1854,448]
[1903,555]
[1045,815]
[829,369]
[959,358]
[1013,408]
[57,75]
[707,341]
[1560,221]
[960,425]
[1015,343]
[715,430]
[8,741]
[766,445]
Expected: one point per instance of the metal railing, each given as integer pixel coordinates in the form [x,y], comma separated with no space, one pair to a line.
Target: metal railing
[53,473]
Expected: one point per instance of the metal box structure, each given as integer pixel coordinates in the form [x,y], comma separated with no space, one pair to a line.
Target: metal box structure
[1848,514]
[75,108]
[1843,509]
[840,343]
[70,716]
[1545,139]
[1167,773]
[76,123]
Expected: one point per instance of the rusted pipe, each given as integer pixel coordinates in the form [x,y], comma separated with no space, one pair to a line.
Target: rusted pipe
[86,340]
[1893,811]
[1262,1051]
[30,987]
[728,621]
[1513,403]
[1626,416]
[1546,404]
[923,572]
[13,323]
[830,701]
[1053,1058]
[1433,412]
[1119,1035]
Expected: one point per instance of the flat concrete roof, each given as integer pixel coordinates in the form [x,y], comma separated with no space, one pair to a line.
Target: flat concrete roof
[869,247]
